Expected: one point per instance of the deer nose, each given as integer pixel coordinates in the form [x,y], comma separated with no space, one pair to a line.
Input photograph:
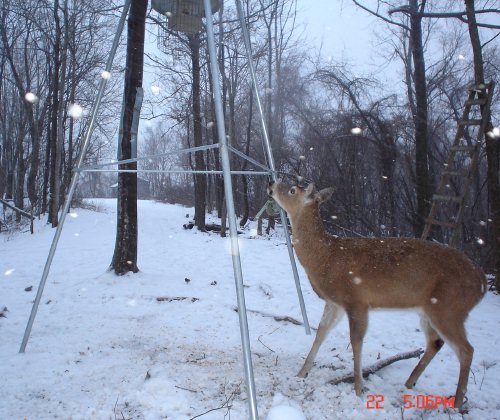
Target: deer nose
[269,188]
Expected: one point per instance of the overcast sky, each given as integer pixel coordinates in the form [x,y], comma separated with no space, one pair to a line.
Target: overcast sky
[346,34]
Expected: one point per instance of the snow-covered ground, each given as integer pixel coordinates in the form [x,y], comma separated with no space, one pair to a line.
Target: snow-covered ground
[107,347]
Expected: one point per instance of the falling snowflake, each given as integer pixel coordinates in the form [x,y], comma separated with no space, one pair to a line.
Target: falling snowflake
[461,57]
[356,131]
[155,89]
[31,97]
[210,124]
[75,111]
[494,133]
[434,300]
[334,217]
[482,223]
[357,280]
[480,241]
[73,215]
[9,271]
[302,157]
[106,75]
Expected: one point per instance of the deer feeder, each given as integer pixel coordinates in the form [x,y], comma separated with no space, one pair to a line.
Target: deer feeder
[183,15]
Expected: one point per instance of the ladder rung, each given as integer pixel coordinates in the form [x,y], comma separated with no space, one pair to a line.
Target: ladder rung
[462,149]
[470,122]
[481,101]
[464,174]
[456,199]
[441,222]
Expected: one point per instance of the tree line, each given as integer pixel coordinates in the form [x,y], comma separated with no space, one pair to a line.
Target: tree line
[382,148]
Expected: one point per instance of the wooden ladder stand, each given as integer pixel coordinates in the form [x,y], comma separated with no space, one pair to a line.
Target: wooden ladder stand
[447,209]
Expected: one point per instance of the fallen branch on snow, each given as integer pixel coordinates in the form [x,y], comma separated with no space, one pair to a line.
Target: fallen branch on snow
[278,318]
[17,210]
[176,299]
[377,366]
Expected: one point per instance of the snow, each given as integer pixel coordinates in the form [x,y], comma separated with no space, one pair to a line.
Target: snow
[152,345]
[31,97]
[106,75]
[75,111]
[285,411]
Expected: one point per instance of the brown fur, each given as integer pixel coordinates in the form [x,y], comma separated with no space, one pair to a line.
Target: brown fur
[358,274]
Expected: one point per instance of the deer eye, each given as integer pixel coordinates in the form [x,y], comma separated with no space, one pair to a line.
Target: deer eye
[292,190]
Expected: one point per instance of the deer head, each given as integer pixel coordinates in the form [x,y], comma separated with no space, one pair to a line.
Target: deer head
[294,198]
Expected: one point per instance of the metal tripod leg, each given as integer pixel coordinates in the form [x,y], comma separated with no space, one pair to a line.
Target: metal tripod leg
[235,250]
[270,158]
[75,177]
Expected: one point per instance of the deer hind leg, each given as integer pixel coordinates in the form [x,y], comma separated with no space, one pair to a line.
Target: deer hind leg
[332,314]
[452,329]
[358,323]
[434,344]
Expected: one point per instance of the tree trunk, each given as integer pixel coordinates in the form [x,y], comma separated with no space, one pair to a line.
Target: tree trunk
[420,120]
[57,138]
[200,183]
[492,149]
[244,180]
[125,255]
[56,53]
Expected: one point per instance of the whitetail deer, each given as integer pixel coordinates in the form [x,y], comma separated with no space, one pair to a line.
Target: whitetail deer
[354,275]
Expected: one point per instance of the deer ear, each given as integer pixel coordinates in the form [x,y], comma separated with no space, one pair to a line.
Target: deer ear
[310,189]
[323,195]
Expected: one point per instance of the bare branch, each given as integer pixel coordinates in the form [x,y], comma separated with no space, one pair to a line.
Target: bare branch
[392,22]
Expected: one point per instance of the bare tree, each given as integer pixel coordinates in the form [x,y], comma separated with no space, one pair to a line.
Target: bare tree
[125,255]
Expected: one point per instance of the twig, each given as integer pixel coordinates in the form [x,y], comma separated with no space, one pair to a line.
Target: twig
[377,366]
[260,341]
[186,389]
[226,404]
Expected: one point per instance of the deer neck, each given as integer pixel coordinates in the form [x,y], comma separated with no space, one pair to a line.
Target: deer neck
[310,239]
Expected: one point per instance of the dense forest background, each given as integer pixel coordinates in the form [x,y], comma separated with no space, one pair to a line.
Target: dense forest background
[327,123]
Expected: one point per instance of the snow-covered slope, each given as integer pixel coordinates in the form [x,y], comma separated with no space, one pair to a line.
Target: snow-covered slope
[165,343]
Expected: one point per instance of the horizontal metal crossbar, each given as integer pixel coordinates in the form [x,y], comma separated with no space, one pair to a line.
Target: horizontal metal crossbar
[139,159]
[173,171]
[98,167]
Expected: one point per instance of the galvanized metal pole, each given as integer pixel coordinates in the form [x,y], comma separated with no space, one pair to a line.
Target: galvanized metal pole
[76,174]
[228,189]
[270,158]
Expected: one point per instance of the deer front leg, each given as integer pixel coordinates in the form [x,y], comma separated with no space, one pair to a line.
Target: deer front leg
[332,314]
[358,323]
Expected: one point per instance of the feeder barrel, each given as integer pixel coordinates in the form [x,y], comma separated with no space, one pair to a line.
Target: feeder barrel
[183,7]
